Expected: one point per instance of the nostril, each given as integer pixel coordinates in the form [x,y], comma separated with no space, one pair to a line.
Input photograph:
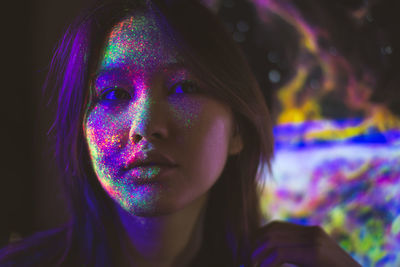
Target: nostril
[157,135]
[136,138]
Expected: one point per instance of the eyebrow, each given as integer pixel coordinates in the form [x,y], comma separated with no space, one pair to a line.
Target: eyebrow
[107,71]
[172,66]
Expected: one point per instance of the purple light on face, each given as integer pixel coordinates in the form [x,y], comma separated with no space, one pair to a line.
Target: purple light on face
[110,122]
[140,72]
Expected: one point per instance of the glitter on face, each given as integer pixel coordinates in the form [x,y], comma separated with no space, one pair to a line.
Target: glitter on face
[142,85]
[135,50]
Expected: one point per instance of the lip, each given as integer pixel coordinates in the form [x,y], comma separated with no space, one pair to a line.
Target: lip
[150,174]
[151,159]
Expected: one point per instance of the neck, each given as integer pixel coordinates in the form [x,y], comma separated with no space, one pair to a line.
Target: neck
[167,240]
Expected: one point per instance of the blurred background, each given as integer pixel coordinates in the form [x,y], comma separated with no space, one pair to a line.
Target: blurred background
[330,72]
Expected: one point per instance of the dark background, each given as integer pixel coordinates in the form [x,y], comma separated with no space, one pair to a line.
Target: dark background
[30,195]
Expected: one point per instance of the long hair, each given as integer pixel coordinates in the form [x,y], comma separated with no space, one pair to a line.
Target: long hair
[233,215]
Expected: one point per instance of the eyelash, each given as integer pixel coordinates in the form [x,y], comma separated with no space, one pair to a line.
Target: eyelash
[127,96]
[114,90]
[190,83]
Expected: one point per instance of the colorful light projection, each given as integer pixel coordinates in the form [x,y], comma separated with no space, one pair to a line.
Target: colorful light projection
[342,174]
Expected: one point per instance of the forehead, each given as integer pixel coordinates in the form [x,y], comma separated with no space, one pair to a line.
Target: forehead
[138,41]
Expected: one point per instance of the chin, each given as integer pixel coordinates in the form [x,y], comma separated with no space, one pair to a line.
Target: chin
[157,207]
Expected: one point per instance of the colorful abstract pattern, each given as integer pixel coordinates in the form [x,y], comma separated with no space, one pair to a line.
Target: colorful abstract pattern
[342,174]
[350,188]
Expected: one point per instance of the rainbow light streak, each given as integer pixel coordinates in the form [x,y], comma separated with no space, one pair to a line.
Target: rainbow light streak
[331,133]
[299,102]
[135,51]
[350,189]
[341,174]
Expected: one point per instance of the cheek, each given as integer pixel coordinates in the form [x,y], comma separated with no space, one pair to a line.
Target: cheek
[206,145]
[104,133]
[212,145]
[186,111]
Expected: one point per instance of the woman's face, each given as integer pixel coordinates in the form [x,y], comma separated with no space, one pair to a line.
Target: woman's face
[147,102]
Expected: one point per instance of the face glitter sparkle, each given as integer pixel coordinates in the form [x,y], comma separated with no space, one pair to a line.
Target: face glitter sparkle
[146,101]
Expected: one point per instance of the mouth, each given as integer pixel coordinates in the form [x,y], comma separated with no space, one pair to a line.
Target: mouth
[152,164]
[151,159]
[150,172]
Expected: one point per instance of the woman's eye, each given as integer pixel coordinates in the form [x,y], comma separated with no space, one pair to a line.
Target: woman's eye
[186,87]
[115,94]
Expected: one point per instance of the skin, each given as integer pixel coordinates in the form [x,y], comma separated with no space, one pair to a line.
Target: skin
[144,103]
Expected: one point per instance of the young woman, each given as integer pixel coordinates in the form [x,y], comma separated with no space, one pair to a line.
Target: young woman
[162,134]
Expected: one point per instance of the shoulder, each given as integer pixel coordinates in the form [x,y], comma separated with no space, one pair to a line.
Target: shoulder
[40,249]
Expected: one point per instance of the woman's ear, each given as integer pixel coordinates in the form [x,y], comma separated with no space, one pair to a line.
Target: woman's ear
[236,142]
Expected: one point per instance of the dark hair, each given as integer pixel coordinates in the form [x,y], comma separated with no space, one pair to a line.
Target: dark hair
[233,214]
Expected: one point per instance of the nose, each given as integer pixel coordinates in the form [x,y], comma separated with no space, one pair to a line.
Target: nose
[149,120]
